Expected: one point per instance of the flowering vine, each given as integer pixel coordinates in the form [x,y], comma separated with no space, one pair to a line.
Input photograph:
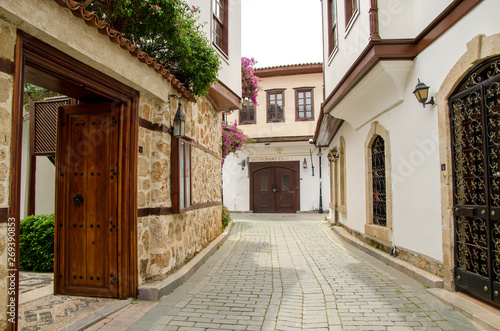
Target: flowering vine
[233,139]
[249,82]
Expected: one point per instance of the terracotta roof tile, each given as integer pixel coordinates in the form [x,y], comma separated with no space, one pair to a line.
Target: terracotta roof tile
[115,36]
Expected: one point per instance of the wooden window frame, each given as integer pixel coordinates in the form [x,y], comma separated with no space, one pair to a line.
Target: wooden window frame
[351,9]
[250,107]
[216,20]
[179,204]
[332,27]
[303,90]
[268,101]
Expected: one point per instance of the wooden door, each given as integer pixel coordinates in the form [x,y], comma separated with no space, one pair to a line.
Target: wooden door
[86,261]
[285,190]
[275,187]
[263,195]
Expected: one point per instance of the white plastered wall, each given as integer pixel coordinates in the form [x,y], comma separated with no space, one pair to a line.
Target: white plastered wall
[236,187]
[413,131]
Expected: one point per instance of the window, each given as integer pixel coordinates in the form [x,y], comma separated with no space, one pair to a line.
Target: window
[247,113]
[220,25]
[181,174]
[351,9]
[332,26]
[275,105]
[378,183]
[304,104]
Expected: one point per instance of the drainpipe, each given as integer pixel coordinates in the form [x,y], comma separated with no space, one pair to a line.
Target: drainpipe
[320,184]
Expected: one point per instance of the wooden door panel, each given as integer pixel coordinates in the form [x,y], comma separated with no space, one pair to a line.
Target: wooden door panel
[87,242]
[285,195]
[76,215]
[263,185]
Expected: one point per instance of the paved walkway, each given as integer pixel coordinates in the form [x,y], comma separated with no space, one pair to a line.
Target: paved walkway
[293,273]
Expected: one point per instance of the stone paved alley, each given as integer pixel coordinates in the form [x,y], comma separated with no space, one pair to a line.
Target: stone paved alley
[294,273]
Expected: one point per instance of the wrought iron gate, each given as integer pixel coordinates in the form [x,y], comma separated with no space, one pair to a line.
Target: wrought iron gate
[475,131]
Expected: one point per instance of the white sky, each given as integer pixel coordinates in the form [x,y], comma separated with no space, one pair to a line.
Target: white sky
[281,32]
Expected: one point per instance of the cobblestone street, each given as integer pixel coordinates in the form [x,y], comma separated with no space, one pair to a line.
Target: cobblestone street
[294,273]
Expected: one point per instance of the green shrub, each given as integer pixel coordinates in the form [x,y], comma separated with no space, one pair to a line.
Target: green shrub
[37,243]
[226,218]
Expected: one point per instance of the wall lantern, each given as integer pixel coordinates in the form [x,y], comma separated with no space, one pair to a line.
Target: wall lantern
[304,164]
[422,93]
[242,164]
[333,154]
[179,127]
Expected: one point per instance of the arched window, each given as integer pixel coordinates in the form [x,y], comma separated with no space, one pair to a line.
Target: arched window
[379,182]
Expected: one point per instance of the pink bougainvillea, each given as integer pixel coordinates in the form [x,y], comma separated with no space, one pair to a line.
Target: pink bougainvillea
[249,82]
[233,139]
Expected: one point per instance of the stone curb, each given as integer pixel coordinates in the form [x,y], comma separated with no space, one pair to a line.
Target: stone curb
[421,276]
[99,315]
[156,290]
[485,318]
[481,316]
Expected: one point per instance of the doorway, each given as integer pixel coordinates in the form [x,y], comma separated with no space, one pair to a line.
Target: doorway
[113,200]
[475,137]
[274,187]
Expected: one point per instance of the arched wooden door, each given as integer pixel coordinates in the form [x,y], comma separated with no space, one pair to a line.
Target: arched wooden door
[275,187]
[475,133]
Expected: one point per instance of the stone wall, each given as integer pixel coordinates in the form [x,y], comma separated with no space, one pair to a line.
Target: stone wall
[7,46]
[166,241]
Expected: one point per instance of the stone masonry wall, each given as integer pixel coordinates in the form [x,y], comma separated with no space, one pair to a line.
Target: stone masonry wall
[166,242]
[7,46]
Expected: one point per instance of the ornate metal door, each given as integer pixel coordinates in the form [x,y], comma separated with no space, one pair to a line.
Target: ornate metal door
[275,187]
[475,131]
[87,201]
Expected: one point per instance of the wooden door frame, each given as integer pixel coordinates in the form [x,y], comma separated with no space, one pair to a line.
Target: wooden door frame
[292,165]
[33,53]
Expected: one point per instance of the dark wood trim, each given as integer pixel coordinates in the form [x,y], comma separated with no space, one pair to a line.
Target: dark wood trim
[281,139]
[6,66]
[374,27]
[288,70]
[249,107]
[32,185]
[268,104]
[143,123]
[376,51]
[449,17]
[148,125]
[15,165]
[304,89]
[162,211]
[4,215]
[402,49]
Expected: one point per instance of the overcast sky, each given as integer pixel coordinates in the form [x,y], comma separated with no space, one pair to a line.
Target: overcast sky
[280,32]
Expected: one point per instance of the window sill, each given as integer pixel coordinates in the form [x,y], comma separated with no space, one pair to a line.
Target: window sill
[379,232]
[304,119]
[221,52]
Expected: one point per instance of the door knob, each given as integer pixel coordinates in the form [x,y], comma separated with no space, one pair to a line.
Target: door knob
[78,200]
[274,190]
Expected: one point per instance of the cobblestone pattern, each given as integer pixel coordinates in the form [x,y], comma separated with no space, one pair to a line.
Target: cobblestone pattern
[297,275]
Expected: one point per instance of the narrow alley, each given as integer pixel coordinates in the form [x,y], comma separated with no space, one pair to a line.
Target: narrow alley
[292,272]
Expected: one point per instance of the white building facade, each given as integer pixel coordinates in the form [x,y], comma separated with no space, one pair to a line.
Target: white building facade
[422,180]
[280,172]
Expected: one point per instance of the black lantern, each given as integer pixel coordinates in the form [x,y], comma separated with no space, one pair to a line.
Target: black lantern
[333,154]
[179,127]
[422,93]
